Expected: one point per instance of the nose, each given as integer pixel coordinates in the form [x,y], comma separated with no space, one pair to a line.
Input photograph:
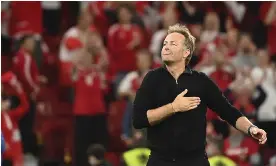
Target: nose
[166,48]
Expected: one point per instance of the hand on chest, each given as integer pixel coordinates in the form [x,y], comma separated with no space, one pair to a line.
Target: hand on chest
[168,92]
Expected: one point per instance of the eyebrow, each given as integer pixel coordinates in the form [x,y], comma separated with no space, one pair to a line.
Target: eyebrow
[173,42]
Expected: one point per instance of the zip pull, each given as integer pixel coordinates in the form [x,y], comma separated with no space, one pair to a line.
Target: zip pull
[176,82]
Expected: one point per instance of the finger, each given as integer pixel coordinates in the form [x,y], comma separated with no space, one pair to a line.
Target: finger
[183,93]
[194,103]
[193,98]
[263,141]
[192,107]
[264,136]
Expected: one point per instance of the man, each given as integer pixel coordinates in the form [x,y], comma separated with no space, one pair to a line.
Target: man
[90,124]
[27,72]
[96,155]
[127,89]
[124,39]
[75,36]
[10,118]
[166,104]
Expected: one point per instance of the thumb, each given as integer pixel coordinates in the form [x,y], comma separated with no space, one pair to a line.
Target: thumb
[182,94]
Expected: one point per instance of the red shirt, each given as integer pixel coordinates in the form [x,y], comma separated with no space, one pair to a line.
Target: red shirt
[119,37]
[89,99]
[271,34]
[100,19]
[222,78]
[247,148]
[9,127]
[26,17]
[26,70]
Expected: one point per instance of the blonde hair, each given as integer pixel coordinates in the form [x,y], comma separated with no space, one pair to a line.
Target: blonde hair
[189,42]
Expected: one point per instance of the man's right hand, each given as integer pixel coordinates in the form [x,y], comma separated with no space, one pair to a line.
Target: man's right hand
[182,103]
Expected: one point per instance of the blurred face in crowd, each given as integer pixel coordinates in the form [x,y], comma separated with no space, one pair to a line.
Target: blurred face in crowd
[218,59]
[173,50]
[211,22]
[85,19]
[245,43]
[29,44]
[170,4]
[144,61]
[232,37]
[196,30]
[263,58]
[124,15]
[169,18]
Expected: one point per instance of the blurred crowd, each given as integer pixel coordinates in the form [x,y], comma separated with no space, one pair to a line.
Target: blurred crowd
[70,71]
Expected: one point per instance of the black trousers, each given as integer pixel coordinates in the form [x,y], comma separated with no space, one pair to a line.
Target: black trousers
[88,130]
[200,160]
[26,128]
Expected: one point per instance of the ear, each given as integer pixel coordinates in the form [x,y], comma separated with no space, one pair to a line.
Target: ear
[186,53]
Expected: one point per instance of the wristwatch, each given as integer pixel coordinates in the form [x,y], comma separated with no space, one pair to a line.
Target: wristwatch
[249,129]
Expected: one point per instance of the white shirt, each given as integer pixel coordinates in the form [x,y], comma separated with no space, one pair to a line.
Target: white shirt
[267,111]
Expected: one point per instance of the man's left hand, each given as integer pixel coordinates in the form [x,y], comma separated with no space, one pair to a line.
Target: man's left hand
[258,134]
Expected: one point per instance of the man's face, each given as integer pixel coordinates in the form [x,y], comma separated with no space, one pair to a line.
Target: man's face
[29,44]
[124,15]
[244,43]
[85,19]
[219,59]
[211,22]
[232,37]
[173,48]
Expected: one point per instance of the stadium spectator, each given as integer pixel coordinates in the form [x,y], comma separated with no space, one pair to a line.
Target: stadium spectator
[75,36]
[246,55]
[124,39]
[268,16]
[264,72]
[96,155]
[127,89]
[241,149]
[89,108]
[27,72]
[10,117]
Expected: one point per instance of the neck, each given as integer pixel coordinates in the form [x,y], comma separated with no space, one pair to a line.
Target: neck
[176,69]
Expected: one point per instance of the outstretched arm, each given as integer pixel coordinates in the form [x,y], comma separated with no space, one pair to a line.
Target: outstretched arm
[218,103]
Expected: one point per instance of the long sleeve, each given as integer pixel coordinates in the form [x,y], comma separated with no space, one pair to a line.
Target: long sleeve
[18,112]
[257,102]
[216,101]
[26,70]
[143,102]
